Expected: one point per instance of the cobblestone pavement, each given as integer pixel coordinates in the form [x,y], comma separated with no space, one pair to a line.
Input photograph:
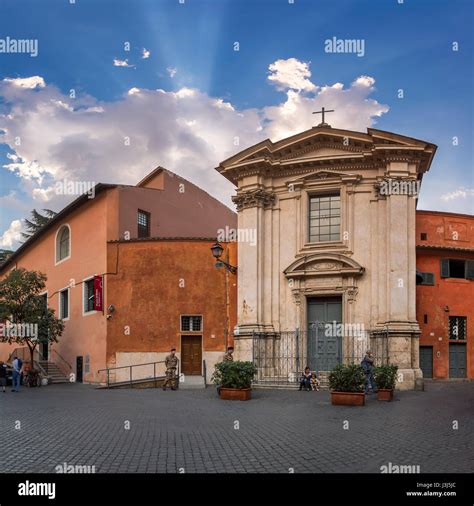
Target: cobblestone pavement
[195,431]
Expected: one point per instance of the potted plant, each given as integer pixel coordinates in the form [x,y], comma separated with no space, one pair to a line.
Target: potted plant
[385,377]
[234,380]
[347,382]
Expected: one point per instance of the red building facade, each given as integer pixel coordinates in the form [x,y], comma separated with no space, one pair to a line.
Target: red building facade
[445,298]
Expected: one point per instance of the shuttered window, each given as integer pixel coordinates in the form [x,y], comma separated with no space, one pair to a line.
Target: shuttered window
[428,278]
[456,268]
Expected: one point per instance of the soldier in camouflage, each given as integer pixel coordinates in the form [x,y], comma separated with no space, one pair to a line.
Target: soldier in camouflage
[171,362]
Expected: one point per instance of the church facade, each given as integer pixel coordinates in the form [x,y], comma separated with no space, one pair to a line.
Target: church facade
[332,271]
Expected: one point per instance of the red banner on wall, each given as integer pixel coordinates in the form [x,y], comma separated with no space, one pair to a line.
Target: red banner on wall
[98,300]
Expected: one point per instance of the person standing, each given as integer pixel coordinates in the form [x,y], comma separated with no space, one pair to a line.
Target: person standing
[228,357]
[368,366]
[171,362]
[17,365]
[3,376]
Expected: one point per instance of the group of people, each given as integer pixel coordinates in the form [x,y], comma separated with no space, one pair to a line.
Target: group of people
[17,367]
[309,381]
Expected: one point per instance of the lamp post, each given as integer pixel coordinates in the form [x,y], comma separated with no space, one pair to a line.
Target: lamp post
[217,251]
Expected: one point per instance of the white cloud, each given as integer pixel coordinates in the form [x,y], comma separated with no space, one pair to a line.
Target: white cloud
[187,131]
[27,82]
[171,71]
[292,74]
[122,63]
[12,235]
[461,193]
[145,53]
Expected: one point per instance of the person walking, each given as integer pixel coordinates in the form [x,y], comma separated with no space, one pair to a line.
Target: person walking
[3,375]
[171,362]
[17,366]
[368,366]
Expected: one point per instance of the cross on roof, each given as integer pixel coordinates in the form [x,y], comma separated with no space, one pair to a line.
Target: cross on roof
[323,111]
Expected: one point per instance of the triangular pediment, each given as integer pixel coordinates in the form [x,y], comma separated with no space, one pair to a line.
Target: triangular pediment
[319,145]
[318,175]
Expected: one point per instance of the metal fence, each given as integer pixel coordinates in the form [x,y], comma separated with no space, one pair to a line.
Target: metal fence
[281,358]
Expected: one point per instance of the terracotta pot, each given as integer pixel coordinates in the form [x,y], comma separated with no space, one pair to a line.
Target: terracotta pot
[235,394]
[348,398]
[384,394]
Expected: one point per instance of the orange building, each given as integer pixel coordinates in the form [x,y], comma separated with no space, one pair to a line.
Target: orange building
[150,246]
[445,298]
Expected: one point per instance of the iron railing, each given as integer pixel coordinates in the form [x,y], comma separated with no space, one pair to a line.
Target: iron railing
[115,377]
[281,357]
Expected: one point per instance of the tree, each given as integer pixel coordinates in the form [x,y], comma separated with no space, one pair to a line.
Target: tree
[36,222]
[4,254]
[24,313]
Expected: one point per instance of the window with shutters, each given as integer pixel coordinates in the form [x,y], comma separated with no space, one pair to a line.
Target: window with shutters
[455,268]
[191,323]
[88,293]
[458,328]
[428,278]
[64,304]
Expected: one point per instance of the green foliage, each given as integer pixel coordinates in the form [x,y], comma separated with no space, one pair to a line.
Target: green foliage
[234,374]
[386,376]
[347,378]
[4,254]
[36,222]
[20,303]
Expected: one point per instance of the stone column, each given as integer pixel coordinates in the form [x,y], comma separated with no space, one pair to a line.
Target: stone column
[403,330]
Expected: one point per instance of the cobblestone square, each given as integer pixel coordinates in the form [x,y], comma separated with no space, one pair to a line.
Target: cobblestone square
[194,431]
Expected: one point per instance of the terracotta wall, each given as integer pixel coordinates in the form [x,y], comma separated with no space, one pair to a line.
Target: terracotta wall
[83,334]
[448,296]
[181,209]
[156,282]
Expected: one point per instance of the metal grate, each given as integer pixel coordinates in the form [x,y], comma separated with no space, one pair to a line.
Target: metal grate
[281,358]
[457,327]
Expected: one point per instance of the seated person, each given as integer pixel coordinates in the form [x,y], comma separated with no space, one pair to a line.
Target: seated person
[306,380]
[314,382]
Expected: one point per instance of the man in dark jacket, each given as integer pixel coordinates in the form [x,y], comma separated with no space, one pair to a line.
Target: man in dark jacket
[368,366]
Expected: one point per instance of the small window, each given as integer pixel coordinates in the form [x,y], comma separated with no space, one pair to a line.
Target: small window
[324,217]
[143,219]
[424,236]
[425,318]
[191,323]
[63,246]
[89,295]
[64,304]
[458,327]
[428,278]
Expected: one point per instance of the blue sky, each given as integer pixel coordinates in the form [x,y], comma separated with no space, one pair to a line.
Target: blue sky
[407,46]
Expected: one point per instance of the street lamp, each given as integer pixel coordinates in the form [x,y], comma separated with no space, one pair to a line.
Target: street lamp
[217,250]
